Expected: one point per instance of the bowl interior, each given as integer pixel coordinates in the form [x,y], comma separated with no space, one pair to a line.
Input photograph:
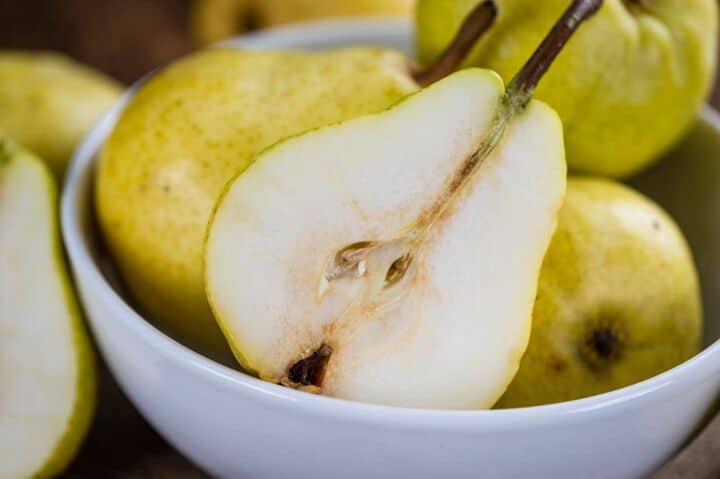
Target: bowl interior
[686,182]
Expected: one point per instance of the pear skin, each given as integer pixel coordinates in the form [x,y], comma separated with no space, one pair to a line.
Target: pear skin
[618,299]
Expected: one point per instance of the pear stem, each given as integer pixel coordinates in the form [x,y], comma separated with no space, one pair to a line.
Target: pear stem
[522,87]
[477,22]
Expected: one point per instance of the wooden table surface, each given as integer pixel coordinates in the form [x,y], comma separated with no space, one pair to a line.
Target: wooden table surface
[120,444]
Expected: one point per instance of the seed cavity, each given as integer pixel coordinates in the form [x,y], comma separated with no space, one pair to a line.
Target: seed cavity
[351,260]
[397,270]
[310,370]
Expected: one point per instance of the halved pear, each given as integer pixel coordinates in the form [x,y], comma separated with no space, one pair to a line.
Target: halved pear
[395,258]
[47,372]
[387,259]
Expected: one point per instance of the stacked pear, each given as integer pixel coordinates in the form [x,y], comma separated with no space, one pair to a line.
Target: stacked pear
[48,103]
[47,372]
[627,87]
[199,122]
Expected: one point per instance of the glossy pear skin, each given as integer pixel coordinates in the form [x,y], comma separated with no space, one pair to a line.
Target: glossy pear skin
[618,299]
[193,127]
[48,102]
[627,86]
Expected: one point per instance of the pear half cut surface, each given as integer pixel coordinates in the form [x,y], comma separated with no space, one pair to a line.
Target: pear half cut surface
[47,373]
[384,259]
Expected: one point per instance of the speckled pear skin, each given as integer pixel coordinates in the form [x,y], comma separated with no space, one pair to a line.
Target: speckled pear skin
[627,86]
[193,127]
[618,299]
[48,102]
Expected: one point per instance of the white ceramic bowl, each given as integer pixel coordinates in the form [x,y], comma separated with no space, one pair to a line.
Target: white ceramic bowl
[236,426]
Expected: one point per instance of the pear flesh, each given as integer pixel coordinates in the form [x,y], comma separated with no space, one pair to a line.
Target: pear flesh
[47,382]
[346,262]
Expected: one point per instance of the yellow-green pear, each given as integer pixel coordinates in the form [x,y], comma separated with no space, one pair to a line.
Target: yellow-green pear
[47,368]
[627,87]
[618,299]
[217,19]
[48,102]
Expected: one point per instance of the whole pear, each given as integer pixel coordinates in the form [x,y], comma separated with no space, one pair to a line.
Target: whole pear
[618,298]
[194,126]
[397,268]
[627,87]
[214,20]
[48,102]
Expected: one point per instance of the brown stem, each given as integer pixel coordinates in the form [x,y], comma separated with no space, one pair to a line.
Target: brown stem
[478,21]
[523,85]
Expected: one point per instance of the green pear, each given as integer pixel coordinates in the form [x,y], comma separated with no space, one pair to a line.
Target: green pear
[214,20]
[47,369]
[199,122]
[627,87]
[618,299]
[48,102]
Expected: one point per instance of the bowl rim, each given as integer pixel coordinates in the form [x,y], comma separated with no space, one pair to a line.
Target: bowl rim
[78,182]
